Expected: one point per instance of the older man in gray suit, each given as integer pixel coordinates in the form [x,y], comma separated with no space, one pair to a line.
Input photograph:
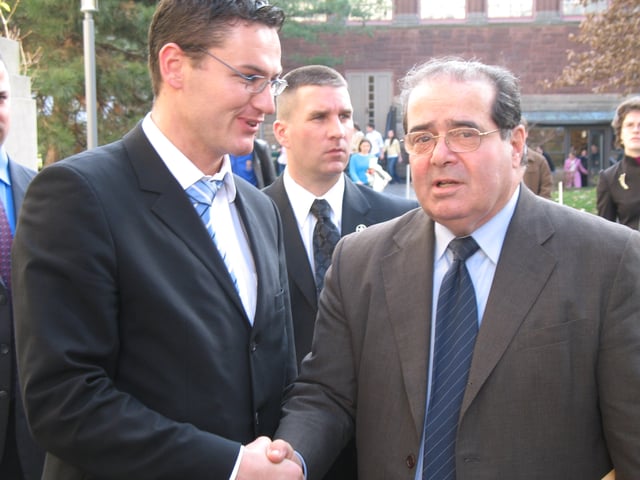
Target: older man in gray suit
[550,389]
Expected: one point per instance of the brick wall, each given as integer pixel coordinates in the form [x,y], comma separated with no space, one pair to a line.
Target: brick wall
[533,52]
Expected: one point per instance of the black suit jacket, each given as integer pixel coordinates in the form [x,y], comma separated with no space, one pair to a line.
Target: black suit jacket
[361,206]
[31,456]
[136,357]
[263,166]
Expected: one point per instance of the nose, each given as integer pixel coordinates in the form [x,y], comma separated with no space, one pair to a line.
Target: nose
[441,154]
[264,101]
[337,127]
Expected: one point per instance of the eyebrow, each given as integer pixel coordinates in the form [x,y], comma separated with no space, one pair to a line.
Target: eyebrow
[449,125]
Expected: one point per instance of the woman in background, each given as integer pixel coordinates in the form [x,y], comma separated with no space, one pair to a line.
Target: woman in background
[618,191]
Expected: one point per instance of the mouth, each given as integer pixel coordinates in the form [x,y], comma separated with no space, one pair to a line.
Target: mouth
[445,183]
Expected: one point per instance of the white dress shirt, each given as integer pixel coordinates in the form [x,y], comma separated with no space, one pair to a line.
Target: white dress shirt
[301,200]
[228,228]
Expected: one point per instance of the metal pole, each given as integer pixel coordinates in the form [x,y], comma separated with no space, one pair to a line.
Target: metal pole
[88,7]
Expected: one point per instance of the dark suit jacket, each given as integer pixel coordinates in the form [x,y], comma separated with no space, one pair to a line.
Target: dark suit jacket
[263,166]
[136,356]
[31,456]
[361,206]
[615,202]
[554,381]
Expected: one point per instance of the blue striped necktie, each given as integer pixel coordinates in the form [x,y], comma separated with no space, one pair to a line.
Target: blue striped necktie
[201,195]
[455,335]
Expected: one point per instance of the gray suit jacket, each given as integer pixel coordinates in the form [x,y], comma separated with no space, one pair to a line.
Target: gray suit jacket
[554,381]
[136,357]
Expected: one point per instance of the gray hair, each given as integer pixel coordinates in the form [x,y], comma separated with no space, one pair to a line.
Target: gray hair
[506,110]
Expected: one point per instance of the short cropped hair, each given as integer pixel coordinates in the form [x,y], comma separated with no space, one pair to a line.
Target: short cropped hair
[506,111]
[197,25]
[309,75]
[629,105]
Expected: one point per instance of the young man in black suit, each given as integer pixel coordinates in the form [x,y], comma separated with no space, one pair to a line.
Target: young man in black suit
[153,344]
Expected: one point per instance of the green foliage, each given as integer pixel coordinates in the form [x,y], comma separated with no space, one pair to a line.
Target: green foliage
[123,86]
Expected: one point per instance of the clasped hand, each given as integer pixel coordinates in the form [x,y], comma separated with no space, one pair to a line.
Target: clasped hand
[264,459]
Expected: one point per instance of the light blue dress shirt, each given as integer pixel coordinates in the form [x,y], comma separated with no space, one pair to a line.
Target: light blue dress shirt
[6,195]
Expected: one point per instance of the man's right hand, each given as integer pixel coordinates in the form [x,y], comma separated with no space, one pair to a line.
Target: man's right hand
[264,460]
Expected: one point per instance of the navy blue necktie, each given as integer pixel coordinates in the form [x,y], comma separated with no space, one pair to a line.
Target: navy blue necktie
[455,335]
[325,237]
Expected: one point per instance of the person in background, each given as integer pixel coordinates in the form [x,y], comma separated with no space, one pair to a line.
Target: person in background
[377,142]
[541,374]
[282,160]
[358,135]
[573,170]
[315,124]
[618,190]
[584,173]
[255,167]
[392,151]
[154,330]
[360,163]
[537,176]
[540,149]
[20,457]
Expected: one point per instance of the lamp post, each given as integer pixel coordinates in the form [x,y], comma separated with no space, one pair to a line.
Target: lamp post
[89,7]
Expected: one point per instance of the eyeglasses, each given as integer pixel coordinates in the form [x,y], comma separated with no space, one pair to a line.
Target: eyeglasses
[255,83]
[459,140]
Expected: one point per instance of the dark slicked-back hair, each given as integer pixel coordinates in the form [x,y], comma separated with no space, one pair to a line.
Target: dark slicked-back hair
[629,105]
[197,25]
[309,75]
[506,111]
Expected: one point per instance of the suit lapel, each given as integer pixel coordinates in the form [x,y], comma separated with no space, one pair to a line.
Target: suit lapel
[355,208]
[523,270]
[297,260]
[168,202]
[410,308]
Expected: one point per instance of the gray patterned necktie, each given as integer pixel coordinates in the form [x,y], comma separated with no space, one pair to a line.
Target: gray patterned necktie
[325,237]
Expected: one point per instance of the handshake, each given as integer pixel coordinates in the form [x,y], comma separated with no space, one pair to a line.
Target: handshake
[264,459]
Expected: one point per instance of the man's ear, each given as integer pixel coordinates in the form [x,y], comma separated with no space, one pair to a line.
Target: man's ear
[171,60]
[280,131]
[518,142]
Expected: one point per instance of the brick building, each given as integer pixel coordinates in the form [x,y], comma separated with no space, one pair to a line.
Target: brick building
[529,37]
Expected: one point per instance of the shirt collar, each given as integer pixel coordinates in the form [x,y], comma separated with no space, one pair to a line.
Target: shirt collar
[183,169]
[4,167]
[301,199]
[490,236]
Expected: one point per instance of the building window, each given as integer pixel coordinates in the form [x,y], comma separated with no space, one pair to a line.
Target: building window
[573,8]
[509,8]
[450,10]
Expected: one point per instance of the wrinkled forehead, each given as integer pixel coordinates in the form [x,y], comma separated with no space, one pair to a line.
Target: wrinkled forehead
[449,101]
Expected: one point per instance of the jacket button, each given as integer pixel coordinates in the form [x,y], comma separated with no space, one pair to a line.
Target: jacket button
[253,346]
[3,395]
[410,461]
[4,348]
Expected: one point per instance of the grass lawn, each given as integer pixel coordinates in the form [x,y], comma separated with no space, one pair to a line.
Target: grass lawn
[580,198]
